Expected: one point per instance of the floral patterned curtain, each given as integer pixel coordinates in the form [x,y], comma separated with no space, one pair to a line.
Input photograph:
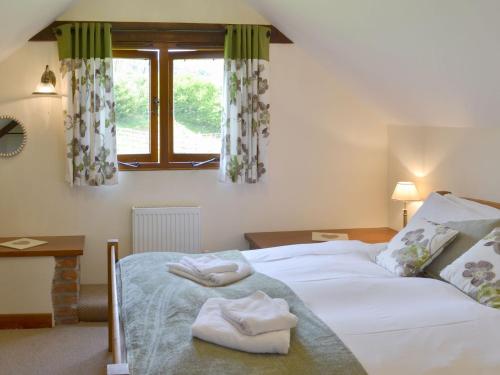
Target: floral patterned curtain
[88,103]
[245,127]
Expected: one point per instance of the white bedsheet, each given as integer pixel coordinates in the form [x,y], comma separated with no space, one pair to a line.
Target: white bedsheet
[393,325]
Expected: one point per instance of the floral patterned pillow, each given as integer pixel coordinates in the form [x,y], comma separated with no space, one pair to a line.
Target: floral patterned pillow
[477,272]
[415,247]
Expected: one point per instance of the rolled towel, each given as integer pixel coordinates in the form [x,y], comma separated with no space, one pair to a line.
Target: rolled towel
[212,279]
[207,264]
[258,313]
[212,327]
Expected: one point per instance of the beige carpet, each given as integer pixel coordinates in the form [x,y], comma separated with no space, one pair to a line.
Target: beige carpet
[66,350]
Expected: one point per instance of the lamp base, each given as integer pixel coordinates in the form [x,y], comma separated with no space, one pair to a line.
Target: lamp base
[405,215]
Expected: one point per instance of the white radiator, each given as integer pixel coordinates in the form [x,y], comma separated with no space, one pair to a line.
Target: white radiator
[166,229]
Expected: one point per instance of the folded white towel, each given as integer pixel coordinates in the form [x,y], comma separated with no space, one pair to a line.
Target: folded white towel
[212,279]
[207,264]
[212,327]
[258,313]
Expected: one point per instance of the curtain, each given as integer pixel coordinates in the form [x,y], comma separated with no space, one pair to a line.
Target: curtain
[245,124]
[88,103]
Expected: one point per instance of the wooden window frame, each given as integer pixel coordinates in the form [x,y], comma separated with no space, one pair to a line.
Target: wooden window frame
[166,158]
[152,56]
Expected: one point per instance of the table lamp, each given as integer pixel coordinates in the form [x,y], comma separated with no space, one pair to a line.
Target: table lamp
[406,192]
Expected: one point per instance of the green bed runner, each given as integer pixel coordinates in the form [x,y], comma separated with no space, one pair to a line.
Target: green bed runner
[158,309]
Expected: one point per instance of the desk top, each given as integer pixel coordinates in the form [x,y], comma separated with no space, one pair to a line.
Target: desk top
[56,246]
[272,239]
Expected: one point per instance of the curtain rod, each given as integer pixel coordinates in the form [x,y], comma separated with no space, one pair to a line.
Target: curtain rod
[177,31]
[166,30]
[118,30]
[125,30]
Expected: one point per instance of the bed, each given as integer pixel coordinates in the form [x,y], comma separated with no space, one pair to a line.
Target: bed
[392,325]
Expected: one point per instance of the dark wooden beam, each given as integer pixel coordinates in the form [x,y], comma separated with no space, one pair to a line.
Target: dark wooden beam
[162,32]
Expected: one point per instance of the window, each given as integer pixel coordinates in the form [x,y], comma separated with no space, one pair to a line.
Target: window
[197,104]
[135,76]
[168,107]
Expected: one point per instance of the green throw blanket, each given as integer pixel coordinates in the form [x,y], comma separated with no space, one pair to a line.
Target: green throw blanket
[158,309]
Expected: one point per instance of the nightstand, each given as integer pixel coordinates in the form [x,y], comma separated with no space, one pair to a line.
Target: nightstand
[271,239]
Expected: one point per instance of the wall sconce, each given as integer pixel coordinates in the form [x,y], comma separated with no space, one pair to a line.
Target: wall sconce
[47,85]
[406,192]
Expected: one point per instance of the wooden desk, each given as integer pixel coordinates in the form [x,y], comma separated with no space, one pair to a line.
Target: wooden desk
[49,294]
[56,246]
[272,239]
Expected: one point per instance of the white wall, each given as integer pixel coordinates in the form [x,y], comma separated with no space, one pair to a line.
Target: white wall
[327,167]
[209,11]
[21,19]
[26,285]
[461,160]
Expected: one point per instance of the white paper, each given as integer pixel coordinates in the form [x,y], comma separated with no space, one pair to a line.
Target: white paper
[23,243]
[324,236]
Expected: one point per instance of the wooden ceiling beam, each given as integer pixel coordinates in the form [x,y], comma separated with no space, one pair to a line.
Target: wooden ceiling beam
[162,31]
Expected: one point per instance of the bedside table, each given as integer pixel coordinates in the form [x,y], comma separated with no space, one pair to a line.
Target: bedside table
[261,240]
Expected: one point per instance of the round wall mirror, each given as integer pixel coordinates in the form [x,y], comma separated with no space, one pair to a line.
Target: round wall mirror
[12,136]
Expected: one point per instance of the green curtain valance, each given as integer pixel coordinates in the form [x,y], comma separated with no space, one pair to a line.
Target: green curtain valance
[247,42]
[85,40]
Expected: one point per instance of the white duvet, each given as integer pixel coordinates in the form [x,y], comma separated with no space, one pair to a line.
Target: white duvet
[393,325]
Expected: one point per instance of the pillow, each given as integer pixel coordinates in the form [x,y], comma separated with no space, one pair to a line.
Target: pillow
[477,272]
[439,209]
[413,248]
[486,211]
[470,232]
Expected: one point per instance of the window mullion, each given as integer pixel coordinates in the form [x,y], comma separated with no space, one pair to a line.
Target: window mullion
[164,105]
[153,108]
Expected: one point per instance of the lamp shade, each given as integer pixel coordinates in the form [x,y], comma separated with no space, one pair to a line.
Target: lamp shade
[406,191]
[47,83]
[45,89]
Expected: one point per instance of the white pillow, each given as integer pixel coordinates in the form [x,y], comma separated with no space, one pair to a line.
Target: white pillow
[477,272]
[439,209]
[487,211]
[413,248]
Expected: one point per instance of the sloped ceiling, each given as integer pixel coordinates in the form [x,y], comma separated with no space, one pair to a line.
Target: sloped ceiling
[426,62]
[21,19]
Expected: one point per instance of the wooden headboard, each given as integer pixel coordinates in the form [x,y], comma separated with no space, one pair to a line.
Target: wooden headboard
[481,201]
